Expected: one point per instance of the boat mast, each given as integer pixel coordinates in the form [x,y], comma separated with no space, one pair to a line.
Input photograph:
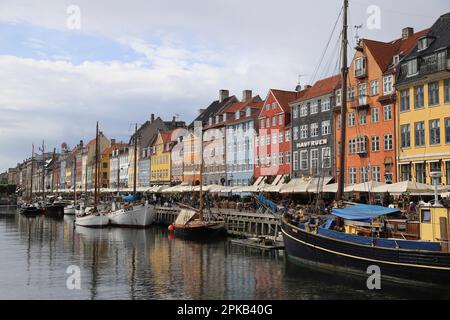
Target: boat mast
[32,173]
[201,174]
[96,163]
[344,72]
[75,179]
[53,170]
[135,160]
[43,172]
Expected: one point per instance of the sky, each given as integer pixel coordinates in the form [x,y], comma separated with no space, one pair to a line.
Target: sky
[66,64]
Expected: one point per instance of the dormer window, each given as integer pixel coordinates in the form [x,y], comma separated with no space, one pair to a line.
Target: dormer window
[217,119]
[247,112]
[210,120]
[423,43]
[360,67]
[412,67]
[237,116]
[396,59]
[224,117]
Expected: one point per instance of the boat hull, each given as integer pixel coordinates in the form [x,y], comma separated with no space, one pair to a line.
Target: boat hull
[92,221]
[138,217]
[54,211]
[70,210]
[30,211]
[341,256]
[206,231]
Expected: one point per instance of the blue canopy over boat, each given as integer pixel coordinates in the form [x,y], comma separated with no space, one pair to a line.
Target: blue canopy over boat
[362,212]
[128,198]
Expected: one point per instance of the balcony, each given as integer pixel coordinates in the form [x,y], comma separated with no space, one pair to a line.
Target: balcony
[360,73]
[360,103]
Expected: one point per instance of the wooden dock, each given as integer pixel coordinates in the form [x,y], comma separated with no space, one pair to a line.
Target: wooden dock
[237,223]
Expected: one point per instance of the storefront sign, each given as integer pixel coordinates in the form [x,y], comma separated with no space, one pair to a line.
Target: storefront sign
[312,143]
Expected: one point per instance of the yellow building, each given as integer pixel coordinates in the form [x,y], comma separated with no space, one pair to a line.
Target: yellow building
[423,108]
[160,166]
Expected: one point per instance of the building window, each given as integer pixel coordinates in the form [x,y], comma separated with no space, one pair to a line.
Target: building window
[262,140]
[280,119]
[280,158]
[314,107]
[352,175]
[350,93]
[304,131]
[447,171]
[274,105]
[376,173]
[419,134]
[360,67]
[405,136]
[418,97]
[295,161]
[268,140]
[262,124]
[280,137]
[387,84]
[326,105]
[287,136]
[420,172]
[303,110]
[274,159]
[338,97]
[387,112]
[326,127]
[412,67]
[315,160]
[288,157]
[314,129]
[295,112]
[406,172]
[295,133]
[435,132]
[374,87]
[362,117]
[304,160]
[375,143]
[433,93]
[364,174]
[447,130]
[447,91]
[435,167]
[268,159]
[274,121]
[326,157]
[388,142]
[374,115]
[404,100]
[339,119]
[351,119]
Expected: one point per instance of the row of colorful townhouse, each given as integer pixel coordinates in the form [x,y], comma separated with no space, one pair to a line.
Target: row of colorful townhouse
[397,128]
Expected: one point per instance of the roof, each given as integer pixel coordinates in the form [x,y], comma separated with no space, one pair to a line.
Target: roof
[232,108]
[256,106]
[110,149]
[320,88]
[212,109]
[285,97]
[166,136]
[383,52]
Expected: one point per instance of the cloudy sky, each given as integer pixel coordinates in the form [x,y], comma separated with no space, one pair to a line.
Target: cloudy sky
[119,61]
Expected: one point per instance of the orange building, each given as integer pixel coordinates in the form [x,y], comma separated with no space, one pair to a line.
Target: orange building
[370,123]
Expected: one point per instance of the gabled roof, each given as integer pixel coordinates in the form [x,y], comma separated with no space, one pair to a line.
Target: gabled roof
[212,109]
[383,52]
[256,109]
[320,88]
[284,97]
[166,136]
[241,105]
[110,149]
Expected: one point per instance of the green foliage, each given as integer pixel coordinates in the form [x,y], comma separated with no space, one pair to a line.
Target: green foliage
[7,189]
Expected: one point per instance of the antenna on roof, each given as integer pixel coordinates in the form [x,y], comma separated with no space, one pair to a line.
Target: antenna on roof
[299,87]
[356,32]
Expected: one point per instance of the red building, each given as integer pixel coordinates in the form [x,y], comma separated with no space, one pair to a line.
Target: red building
[273,141]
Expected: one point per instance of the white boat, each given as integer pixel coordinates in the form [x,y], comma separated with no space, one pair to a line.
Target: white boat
[93,219]
[70,209]
[134,216]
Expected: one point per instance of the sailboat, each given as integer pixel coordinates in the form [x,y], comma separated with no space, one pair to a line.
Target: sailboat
[92,216]
[31,209]
[133,215]
[191,222]
[331,245]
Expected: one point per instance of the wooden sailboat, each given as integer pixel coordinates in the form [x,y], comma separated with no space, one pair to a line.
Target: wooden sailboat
[93,217]
[31,209]
[331,246]
[133,215]
[192,222]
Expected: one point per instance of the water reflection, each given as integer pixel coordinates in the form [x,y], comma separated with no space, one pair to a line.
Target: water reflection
[149,264]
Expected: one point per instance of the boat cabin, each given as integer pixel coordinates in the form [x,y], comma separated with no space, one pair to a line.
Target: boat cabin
[434,225]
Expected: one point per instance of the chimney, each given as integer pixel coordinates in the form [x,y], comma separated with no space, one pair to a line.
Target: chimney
[81,143]
[223,94]
[407,32]
[246,95]
[298,88]
[113,141]
[174,121]
[152,117]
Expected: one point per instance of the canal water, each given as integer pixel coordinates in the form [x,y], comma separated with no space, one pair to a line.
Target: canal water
[36,255]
